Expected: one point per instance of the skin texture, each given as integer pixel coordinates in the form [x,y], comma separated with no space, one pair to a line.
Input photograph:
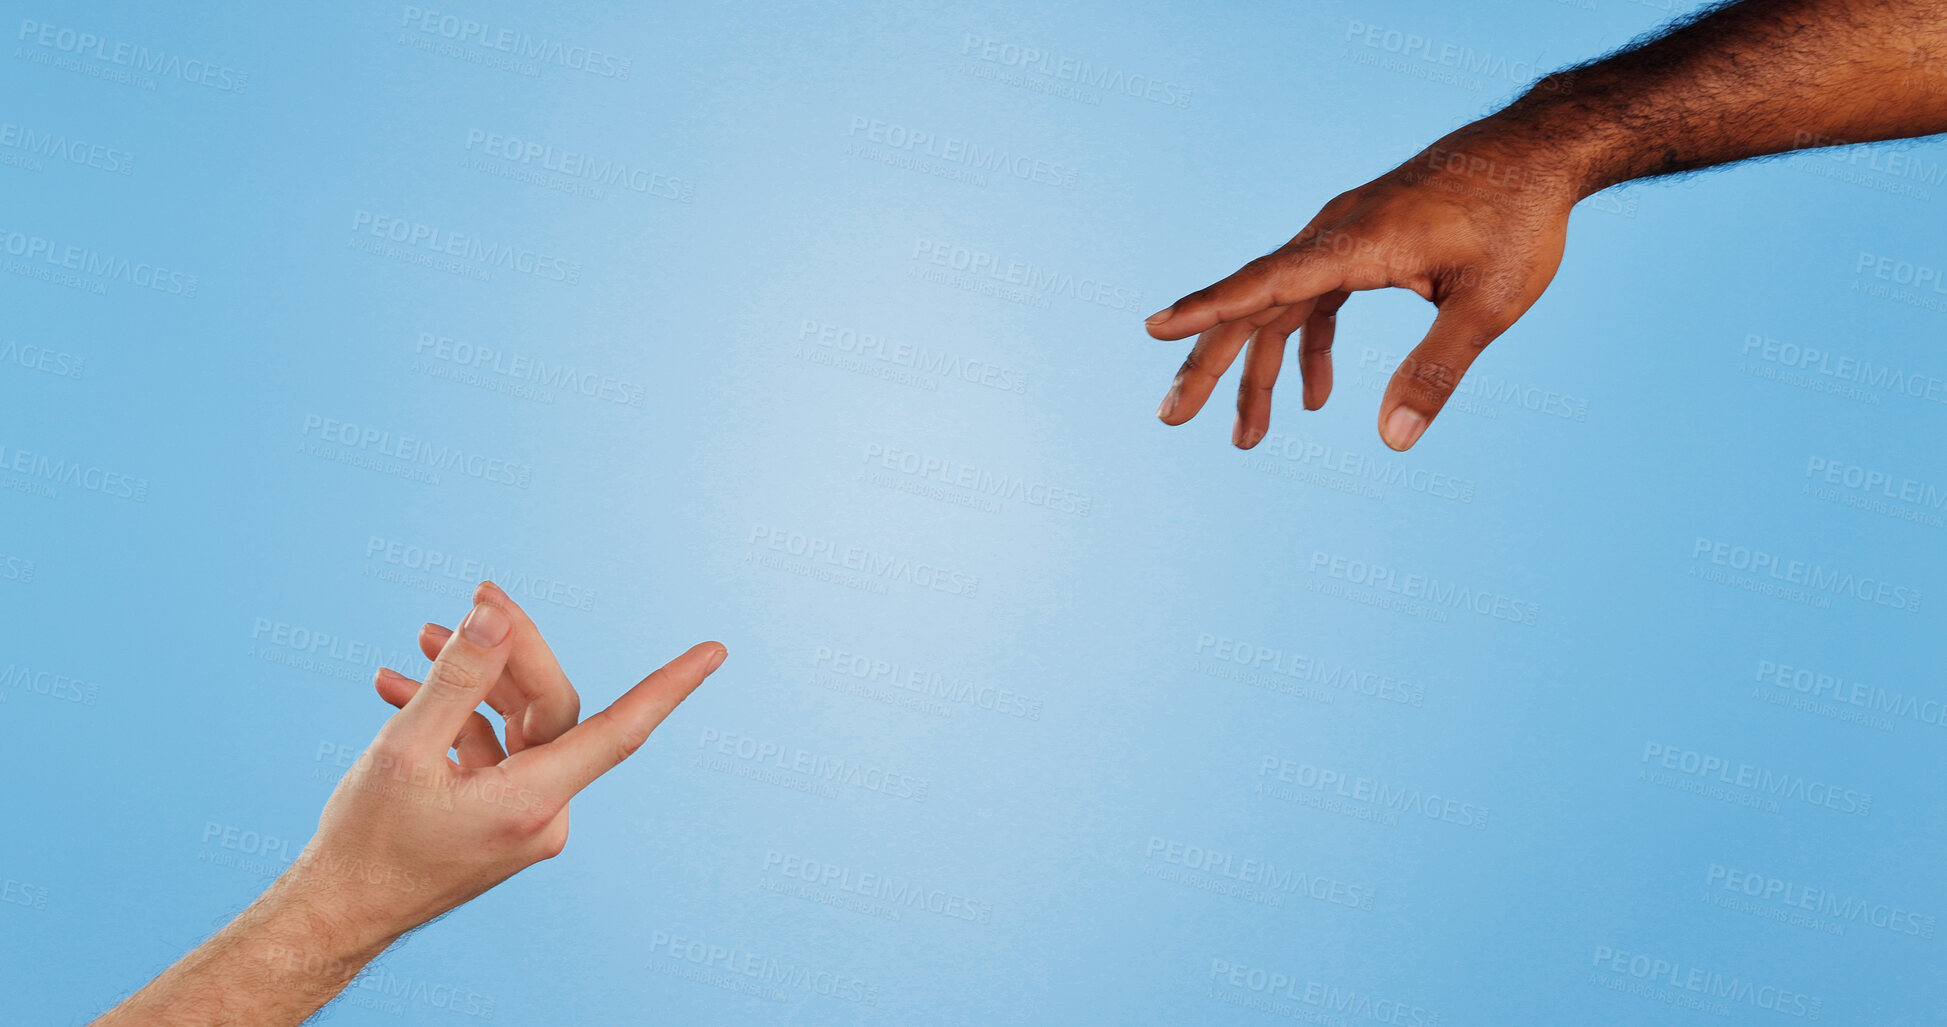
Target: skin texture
[1477,222]
[411,832]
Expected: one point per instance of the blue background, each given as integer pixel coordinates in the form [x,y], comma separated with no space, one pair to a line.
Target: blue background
[165,691]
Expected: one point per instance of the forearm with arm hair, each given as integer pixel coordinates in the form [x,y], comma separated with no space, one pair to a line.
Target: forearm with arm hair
[1738,80]
[276,964]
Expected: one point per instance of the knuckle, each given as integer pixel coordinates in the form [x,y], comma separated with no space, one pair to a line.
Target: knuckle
[1258,267]
[476,726]
[1194,299]
[453,680]
[536,813]
[624,739]
[1425,378]
[628,742]
[553,845]
[1335,242]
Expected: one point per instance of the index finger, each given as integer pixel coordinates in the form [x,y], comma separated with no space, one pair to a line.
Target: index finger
[593,747]
[1279,279]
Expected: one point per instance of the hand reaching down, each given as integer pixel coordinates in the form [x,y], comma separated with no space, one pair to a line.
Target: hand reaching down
[1462,224]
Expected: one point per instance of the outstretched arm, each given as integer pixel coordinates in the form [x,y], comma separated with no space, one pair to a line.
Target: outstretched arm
[1476,223]
[410,832]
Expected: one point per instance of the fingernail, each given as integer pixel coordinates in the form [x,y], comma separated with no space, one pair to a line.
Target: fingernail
[1162,315]
[1169,405]
[1403,428]
[716,661]
[486,625]
[1249,439]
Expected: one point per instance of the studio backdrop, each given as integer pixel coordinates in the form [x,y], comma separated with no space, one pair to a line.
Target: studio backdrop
[818,330]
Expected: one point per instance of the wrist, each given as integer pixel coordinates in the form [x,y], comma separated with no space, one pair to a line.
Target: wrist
[1555,129]
[1500,162]
[317,927]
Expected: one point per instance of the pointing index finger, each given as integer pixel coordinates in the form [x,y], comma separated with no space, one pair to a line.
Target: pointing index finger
[593,747]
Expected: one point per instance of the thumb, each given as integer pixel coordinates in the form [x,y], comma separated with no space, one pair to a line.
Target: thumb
[1429,374]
